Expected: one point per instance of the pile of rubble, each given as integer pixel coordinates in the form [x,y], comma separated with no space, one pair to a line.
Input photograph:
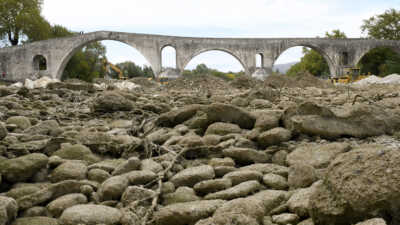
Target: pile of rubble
[269,154]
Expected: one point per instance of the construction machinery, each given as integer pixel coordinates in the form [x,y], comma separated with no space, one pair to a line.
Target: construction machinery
[107,66]
[349,75]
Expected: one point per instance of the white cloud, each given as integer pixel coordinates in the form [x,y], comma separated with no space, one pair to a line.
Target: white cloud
[221,18]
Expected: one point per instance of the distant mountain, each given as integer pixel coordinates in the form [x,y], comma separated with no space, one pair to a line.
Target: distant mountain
[283,68]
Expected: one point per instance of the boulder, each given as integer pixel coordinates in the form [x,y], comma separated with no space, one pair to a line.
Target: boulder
[275,182]
[241,190]
[285,218]
[112,188]
[98,175]
[241,176]
[182,194]
[191,176]
[247,155]
[23,168]
[301,175]
[266,168]
[222,129]
[274,137]
[299,202]
[71,170]
[8,210]
[359,120]
[132,163]
[215,162]
[151,165]
[21,122]
[359,184]
[111,101]
[376,221]
[37,220]
[136,193]
[218,112]
[57,206]
[48,127]
[91,215]
[175,117]
[140,177]
[186,213]
[211,186]
[317,156]
[76,152]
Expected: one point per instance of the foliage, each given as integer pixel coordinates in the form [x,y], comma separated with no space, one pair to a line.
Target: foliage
[312,61]
[19,18]
[382,61]
[202,69]
[130,69]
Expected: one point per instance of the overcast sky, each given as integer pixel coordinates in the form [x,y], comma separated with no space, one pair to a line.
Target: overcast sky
[213,18]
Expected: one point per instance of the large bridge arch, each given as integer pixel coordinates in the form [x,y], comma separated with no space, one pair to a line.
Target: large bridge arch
[364,51]
[321,51]
[203,50]
[75,46]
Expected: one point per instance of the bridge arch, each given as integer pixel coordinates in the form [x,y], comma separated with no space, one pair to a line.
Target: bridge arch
[87,39]
[198,52]
[331,64]
[365,51]
[165,52]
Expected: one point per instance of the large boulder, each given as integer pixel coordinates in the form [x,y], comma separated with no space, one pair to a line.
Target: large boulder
[111,101]
[48,127]
[299,202]
[8,210]
[359,120]
[230,114]
[274,136]
[317,156]
[191,176]
[72,170]
[23,168]
[186,213]
[358,185]
[241,190]
[375,221]
[112,188]
[91,215]
[76,152]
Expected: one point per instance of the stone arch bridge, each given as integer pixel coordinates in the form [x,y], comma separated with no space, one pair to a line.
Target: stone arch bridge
[20,62]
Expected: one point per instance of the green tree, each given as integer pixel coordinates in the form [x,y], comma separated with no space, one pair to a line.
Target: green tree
[19,18]
[312,61]
[382,61]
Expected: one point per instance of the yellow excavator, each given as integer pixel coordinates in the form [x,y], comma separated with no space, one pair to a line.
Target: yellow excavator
[107,65]
[350,74]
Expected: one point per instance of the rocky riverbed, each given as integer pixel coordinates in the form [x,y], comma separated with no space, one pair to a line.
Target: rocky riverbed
[200,151]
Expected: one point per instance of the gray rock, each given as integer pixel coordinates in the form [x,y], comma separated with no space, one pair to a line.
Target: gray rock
[151,165]
[186,213]
[8,210]
[76,152]
[21,122]
[223,129]
[306,222]
[211,186]
[266,168]
[215,162]
[140,177]
[38,220]
[191,176]
[301,176]
[112,188]
[35,212]
[266,121]
[132,163]
[241,176]
[220,171]
[111,101]
[98,175]
[91,215]
[238,191]
[108,165]
[57,206]
[317,156]
[48,127]
[376,221]
[182,194]
[279,158]
[136,193]
[23,168]
[276,182]
[299,202]
[246,155]
[274,137]
[285,218]
[71,170]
